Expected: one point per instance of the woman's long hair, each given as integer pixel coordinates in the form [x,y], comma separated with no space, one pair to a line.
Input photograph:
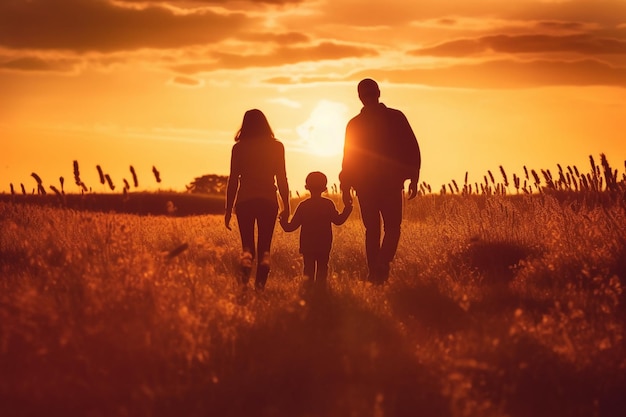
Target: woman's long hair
[254,125]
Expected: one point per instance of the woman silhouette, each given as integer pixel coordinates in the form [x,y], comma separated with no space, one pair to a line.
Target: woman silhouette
[257,167]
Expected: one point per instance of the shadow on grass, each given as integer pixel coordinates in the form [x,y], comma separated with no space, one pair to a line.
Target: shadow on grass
[495,260]
[427,307]
[619,269]
[332,358]
[531,380]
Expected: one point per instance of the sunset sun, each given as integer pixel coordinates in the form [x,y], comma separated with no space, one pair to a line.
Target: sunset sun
[323,132]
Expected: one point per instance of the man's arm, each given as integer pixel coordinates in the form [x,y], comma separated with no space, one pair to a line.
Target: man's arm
[347,167]
[417,155]
[410,154]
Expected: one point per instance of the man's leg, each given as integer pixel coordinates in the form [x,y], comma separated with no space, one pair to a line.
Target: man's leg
[391,210]
[370,213]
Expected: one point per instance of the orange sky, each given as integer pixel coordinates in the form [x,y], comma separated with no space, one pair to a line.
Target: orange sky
[166,83]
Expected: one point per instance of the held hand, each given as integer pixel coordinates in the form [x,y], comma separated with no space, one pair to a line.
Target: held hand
[283,222]
[413,189]
[346,196]
[283,219]
[227,217]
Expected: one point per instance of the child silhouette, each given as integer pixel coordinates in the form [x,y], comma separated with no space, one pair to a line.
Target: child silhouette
[316,216]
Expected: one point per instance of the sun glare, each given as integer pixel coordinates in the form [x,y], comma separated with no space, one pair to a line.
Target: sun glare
[323,132]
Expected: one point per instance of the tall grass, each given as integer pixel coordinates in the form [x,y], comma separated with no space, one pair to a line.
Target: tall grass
[497,306]
[600,178]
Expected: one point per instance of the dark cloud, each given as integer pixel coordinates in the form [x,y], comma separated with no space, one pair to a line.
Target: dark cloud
[447,22]
[511,74]
[216,2]
[32,63]
[557,25]
[97,25]
[604,13]
[581,44]
[398,13]
[279,56]
[279,38]
[499,74]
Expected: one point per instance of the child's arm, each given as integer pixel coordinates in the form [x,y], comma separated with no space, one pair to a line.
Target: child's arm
[341,218]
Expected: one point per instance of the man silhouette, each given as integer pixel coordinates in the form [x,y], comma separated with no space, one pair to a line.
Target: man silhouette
[380,154]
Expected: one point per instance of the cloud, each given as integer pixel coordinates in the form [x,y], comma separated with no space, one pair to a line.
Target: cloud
[279,56]
[97,25]
[512,74]
[286,38]
[582,44]
[497,74]
[37,64]
[283,101]
[185,81]
[216,2]
[605,13]
[561,26]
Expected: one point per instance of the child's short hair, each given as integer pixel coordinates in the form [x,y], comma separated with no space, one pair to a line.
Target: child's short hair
[316,180]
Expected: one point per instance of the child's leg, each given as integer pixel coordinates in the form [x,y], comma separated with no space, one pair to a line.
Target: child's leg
[321,275]
[309,267]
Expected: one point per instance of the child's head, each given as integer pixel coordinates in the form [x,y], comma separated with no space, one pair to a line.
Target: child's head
[316,182]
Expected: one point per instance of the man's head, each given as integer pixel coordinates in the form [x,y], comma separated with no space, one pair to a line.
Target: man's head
[316,182]
[369,93]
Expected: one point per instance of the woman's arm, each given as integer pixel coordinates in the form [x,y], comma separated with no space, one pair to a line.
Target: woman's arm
[232,187]
[290,226]
[281,181]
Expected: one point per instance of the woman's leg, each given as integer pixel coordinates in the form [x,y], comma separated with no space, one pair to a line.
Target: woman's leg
[245,220]
[266,213]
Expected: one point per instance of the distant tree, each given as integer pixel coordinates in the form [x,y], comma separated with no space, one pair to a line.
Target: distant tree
[208,184]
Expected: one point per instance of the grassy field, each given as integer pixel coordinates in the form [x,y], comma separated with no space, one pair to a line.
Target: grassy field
[497,306]
[141,203]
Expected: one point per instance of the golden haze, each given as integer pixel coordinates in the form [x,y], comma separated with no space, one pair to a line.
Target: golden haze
[483,84]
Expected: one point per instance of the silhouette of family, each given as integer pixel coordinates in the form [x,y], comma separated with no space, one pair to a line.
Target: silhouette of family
[381,153]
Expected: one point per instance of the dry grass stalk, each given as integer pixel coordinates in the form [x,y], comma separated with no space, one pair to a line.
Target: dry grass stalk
[76,173]
[177,251]
[504,176]
[156,173]
[100,174]
[134,174]
[110,182]
[56,190]
[36,177]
